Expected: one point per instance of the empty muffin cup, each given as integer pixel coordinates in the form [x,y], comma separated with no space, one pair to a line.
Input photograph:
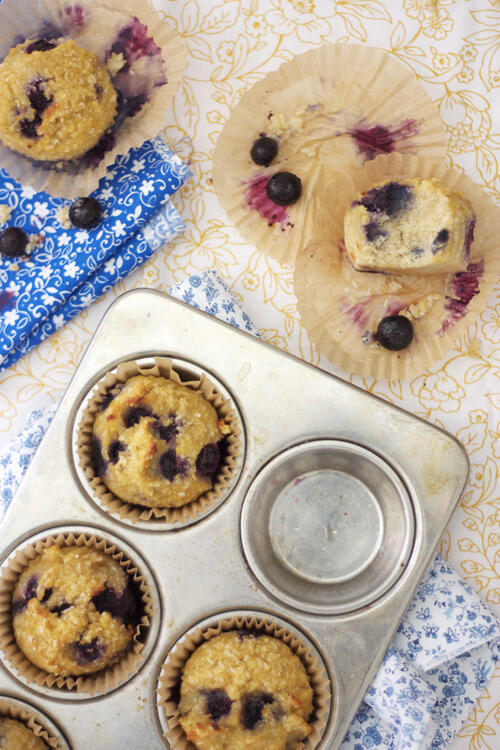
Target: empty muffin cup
[137,596]
[33,720]
[166,471]
[252,624]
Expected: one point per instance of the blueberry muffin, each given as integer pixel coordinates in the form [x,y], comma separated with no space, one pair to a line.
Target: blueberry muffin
[413,226]
[15,735]
[74,610]
[157,443]
[56,100]
[241,691]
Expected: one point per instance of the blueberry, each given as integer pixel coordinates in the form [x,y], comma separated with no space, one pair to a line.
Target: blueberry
[417,252]
[373,231]
[264,150]
[46,595]
[114,450]
[136,413]
[284,188]
[36,96]
[389,199]
[30,592]
[85,213]
[167,432]
[86,653]
[40,45]
[171,464]
[100,464]
[29,128]
[13,242]
[60,608]
[123,606]
[440,240]
[218,703]
[208,460]
[395,332]
[253,705]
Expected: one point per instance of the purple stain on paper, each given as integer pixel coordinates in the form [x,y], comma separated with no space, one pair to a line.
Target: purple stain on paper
[465,286]
[380,139]
[133,42]
[256,198]
[74,16]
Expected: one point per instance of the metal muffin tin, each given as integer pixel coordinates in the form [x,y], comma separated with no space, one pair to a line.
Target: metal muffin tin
[337,509]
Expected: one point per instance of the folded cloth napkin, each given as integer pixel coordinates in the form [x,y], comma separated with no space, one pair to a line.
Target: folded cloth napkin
[447,643]
[72,267]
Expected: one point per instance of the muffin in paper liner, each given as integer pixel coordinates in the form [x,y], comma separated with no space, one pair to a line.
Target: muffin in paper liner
[156,57]
[10,709]
[340,307]
[330,109]
[100,682]
[185,513]
[170,676]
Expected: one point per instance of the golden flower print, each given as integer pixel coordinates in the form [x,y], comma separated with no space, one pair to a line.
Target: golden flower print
[437,25]
[468,52]
[59,348]
[150,275]
[441,61]
[272,336]
[466,75]
[476,476]
[251,281]
[438,391]
[303,17]
[225,52]
[495,444]
[478,415]
[414,8]
[7,413]
[466,118]
[494,78]
[493,596]
[497,715]
[491,327]
[470,566]
[473,435]
[256,25]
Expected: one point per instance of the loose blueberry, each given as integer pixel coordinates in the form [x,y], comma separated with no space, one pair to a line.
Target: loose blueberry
[40,45]
[86,653]
[440,240]
[208,460]
[13,242]
[264,150]
[114,450]
[389,199]
[373,231]
[395,332]
[218,703]
[253,705]
[284,188]
[85,213]
[135,414]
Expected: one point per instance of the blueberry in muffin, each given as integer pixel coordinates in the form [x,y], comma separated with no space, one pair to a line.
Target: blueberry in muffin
[158,443]
[74,610]
[245,692]
[56,100]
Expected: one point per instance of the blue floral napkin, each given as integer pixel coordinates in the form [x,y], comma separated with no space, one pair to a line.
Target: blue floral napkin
[447,643]
[72,267]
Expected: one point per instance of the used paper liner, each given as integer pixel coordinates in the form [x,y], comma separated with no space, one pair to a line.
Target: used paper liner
[38,18]
[324,278]
[347,87]
[172,671]
[100,682]
[13,710]
[163,367]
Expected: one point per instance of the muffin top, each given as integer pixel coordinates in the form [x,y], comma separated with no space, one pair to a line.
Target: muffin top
[410,226]
[245,691]
[157,443]
[15,735]
[56,100]
[74,610]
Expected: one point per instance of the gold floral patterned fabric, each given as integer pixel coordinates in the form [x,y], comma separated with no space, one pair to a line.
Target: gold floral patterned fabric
[453,47]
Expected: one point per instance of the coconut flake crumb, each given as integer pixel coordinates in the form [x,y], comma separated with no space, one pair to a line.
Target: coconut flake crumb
[115,63]
[33,242]
[5,212]
[62,217]
[421,308]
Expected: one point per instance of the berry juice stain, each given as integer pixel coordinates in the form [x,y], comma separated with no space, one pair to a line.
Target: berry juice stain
[256,198]
[382,140]
[7,301]
[465,286]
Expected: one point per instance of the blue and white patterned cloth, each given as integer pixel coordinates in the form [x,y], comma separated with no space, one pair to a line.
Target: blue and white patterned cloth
[446,646]
[73,267]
